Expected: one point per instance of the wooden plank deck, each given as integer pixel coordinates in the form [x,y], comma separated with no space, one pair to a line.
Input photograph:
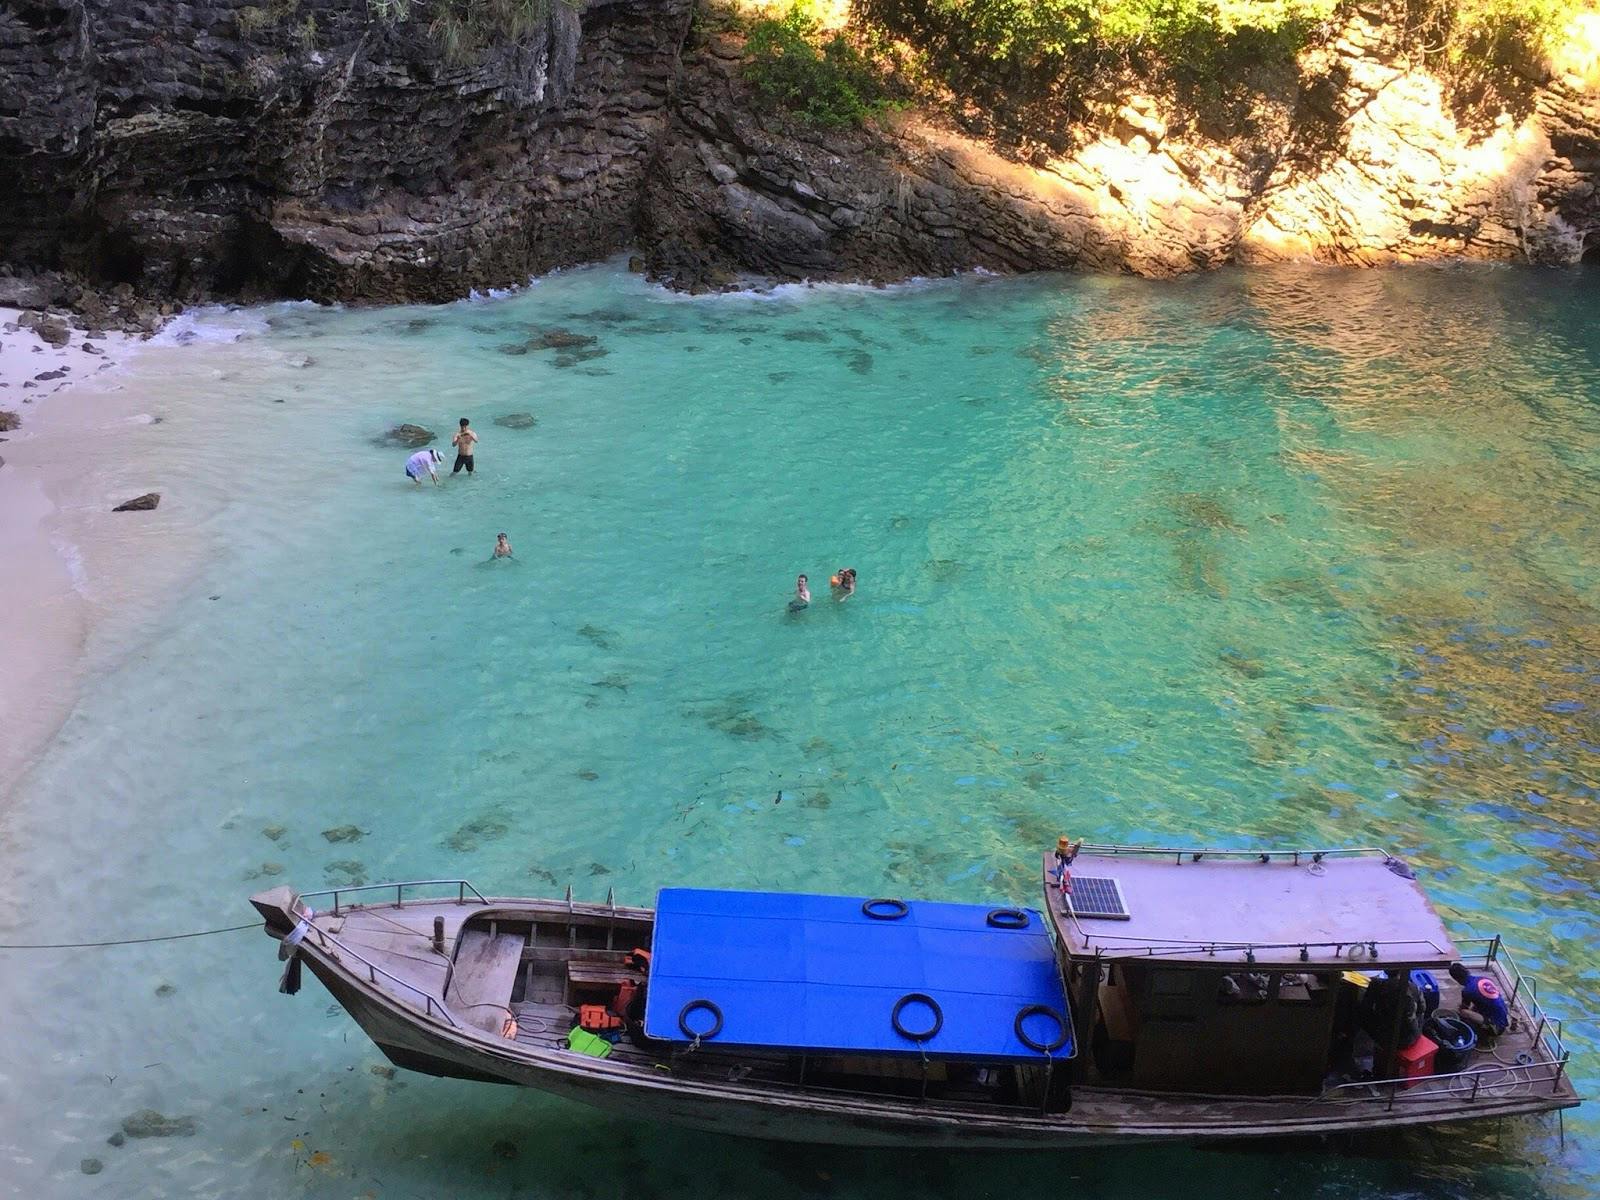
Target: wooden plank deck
[486,969]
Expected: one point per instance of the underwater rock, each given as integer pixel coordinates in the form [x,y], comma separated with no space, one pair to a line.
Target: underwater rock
[817,800]
[858,361]
[599,869]
[603,638]
[588,776]
[944,570]
[148,1123]
[91,1166]
[117,1139]
[345,872]
[344,833]
[518,420]
[142,503]
[166,989]
[486,828]
[805,335]
[899,521]
[615,683]
[572,358]
[382,1071]
[271,832]
[9,421]
[1197,508]
[266,868]
[561,339]
[301,361]
[46,376]
[413,437]
[1248,667]
[780,376]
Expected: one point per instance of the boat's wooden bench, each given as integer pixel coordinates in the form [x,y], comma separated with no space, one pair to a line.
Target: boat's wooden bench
[581,975]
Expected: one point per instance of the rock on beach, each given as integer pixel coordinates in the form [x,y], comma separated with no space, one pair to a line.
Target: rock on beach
[140,503]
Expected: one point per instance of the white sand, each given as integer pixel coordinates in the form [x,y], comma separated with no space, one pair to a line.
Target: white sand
[63,555]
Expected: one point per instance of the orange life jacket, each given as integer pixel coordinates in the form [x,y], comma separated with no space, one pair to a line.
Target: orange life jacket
[597,1019]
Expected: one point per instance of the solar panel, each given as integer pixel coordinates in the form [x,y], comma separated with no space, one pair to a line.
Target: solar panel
[1097,896]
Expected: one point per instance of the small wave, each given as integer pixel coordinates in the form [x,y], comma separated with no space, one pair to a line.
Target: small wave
[218,323]
[819,289]
[72,558]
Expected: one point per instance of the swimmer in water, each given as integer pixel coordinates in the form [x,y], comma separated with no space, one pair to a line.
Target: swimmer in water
[502,547]
[844,583]
[422,463]
[802,594]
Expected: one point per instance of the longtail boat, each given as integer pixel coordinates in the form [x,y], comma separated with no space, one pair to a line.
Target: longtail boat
[1158,994]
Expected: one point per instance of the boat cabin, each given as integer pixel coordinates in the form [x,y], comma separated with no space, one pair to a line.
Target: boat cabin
[1241,972]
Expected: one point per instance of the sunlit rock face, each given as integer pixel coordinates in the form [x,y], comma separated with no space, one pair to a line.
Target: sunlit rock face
[1359,162]
[1405,180]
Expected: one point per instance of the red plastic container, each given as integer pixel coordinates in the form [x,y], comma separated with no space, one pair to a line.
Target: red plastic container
[1415,1061]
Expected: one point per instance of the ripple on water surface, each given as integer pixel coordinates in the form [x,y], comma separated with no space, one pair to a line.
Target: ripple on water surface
[1302,555]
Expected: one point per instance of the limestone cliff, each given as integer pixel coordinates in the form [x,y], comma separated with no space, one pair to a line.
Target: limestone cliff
[301,147]
[204,148]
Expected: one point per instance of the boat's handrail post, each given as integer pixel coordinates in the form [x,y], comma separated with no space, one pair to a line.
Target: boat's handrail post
[461,891]
[336,902]
[399,895]
[1394,1091]
[1561,1068]
[1477,1080]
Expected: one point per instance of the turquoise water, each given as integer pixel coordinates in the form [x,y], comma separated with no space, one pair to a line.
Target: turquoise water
[1296,555]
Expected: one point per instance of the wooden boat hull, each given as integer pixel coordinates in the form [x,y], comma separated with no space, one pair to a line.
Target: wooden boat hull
[415,1040]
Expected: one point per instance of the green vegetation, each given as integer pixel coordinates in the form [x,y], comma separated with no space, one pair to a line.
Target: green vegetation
[462,27]
[823,79]
[1475,34]
[1033,44]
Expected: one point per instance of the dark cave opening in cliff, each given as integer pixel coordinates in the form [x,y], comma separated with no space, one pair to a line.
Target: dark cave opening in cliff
[1591,250]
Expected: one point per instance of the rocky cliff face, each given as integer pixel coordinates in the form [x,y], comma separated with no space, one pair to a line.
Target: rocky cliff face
[298,147]
[1361,161]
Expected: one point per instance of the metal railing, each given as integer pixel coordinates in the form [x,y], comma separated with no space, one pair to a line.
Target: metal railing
[1548,1030]
[1459,1085]
[462,887]
[339,951]
[1196,853]
[1547,1061]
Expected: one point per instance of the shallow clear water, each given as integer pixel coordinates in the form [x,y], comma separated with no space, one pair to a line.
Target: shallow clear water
[1296,555]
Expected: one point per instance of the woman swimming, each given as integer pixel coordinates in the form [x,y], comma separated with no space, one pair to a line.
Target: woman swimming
[843,583]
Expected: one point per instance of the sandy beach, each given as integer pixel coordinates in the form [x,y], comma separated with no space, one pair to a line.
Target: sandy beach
[65,559]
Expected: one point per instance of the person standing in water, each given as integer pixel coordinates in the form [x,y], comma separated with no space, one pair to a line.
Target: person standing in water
[420,462]
[802,595]
[464,441]
[502,547]
[844,583]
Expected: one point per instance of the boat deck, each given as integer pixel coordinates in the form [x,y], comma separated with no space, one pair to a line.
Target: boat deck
[389,948]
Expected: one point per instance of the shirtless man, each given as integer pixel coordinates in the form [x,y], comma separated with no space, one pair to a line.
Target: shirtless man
[420,462]
[502,547]
[802,595]
[464,442]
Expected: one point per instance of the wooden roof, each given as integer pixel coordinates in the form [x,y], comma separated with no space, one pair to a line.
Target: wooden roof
[1350,908]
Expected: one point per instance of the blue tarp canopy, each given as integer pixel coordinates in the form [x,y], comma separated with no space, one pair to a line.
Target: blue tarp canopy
[817,974]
